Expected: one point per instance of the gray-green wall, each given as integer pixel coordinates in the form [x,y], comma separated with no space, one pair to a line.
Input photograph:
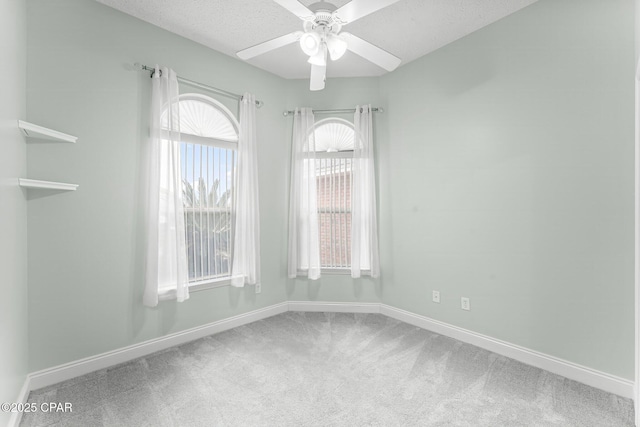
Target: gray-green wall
[510,161]
[505,169]
[85,260]
[13,204]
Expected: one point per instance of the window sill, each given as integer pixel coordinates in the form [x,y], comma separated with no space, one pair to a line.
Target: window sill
[209,284]
[335,272]
[196,287]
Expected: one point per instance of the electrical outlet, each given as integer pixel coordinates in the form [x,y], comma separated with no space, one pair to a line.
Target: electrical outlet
[258,288]
[465,304]
[436,296]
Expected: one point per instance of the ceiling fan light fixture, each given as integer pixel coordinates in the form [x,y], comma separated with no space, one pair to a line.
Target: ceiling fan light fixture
[322,36]
[337,47]
[310,43]
[320,58]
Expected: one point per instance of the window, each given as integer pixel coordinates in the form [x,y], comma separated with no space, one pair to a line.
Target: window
[208,156]
[334,141]
[332,204]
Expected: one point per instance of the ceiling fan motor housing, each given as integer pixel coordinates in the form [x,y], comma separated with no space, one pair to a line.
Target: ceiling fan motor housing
[324,18]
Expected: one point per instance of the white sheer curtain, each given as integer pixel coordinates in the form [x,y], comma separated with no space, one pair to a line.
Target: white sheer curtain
[246,244]
[364,224]
[304,241]
[166,255]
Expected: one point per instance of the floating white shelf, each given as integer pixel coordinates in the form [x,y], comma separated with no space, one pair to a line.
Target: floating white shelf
[49,185]
[35,131]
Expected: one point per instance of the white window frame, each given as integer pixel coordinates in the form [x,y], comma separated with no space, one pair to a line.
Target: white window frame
[200,285]
[345,154]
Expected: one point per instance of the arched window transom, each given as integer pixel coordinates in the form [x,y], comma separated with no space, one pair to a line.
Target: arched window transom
[333,135]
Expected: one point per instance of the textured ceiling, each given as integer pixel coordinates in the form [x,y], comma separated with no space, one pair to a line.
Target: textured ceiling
[408,29]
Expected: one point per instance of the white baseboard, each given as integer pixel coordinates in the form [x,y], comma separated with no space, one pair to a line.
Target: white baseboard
[335,307]
[610,383]
[23,396]
[70,370]
[591,377]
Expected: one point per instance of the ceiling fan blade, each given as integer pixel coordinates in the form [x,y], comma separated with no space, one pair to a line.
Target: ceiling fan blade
[270,45]
[371,53]
[297,8]
[357,9]
[318,76]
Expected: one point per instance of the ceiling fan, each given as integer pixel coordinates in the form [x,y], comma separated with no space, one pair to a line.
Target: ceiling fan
[322,36]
